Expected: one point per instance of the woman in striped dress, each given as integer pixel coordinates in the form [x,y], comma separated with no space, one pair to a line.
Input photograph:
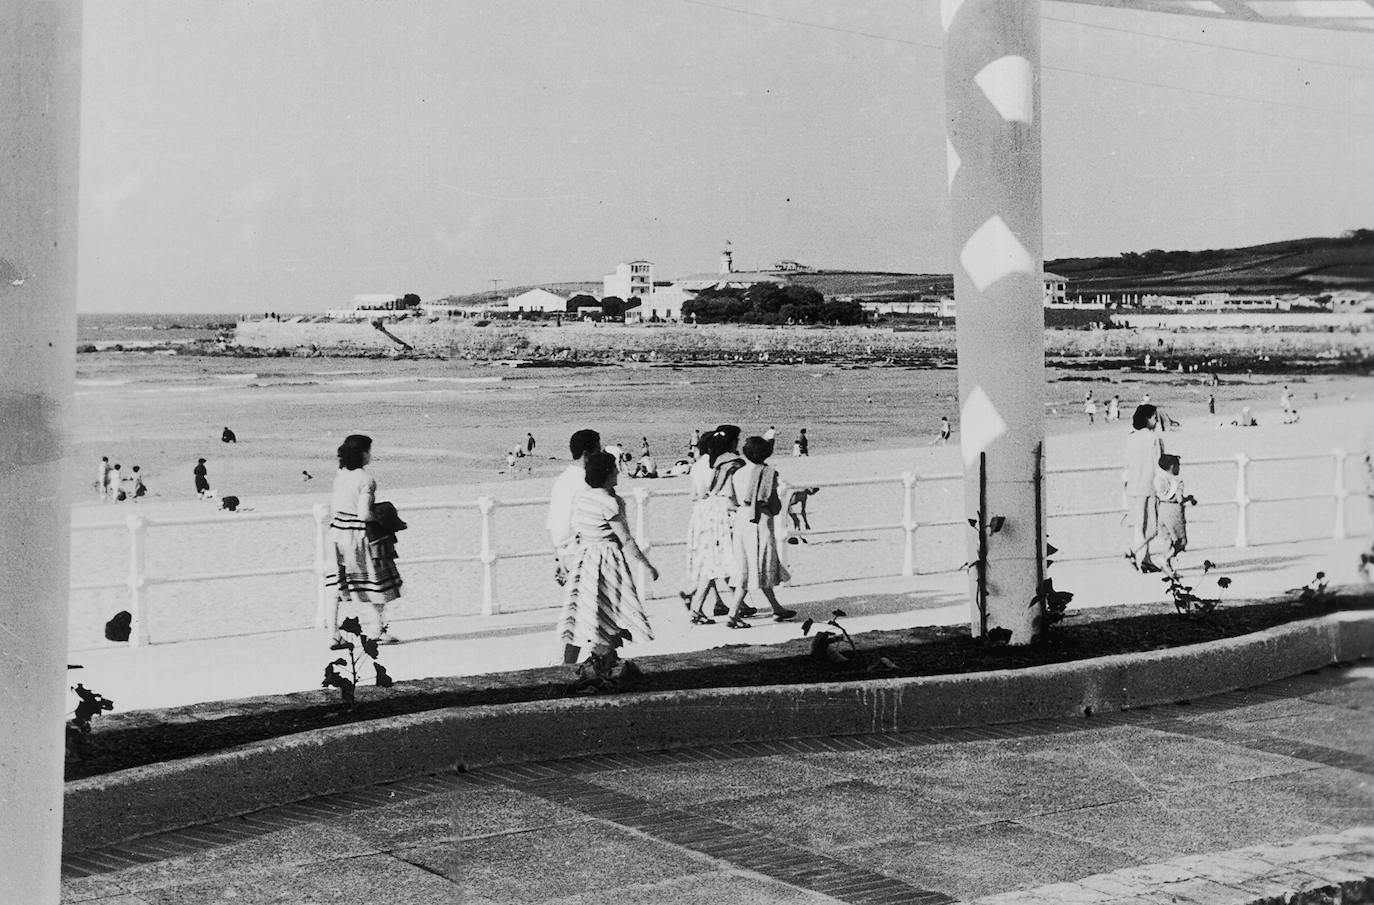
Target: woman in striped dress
[755,565]
[365,571]
[601,605]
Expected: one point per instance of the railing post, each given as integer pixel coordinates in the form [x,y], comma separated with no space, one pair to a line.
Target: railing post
[1242,501]
[138,579]
[909,523]
[641,536]
[1340,493]
[783,523]
[489,604]
[322,608]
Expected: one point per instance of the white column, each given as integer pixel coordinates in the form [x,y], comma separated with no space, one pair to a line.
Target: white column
[1339,491]
[1242,501]
[138,579]
[324,596]
[488,555]
[640,531]
[40,93]
[992,101]
[909,523]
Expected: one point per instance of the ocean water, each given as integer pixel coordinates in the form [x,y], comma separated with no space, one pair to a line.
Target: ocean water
[134,328]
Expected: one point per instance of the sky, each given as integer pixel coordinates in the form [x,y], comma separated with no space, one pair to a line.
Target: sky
[240,155]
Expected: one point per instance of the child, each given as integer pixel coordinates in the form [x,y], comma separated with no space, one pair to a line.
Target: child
[1173,525]
[756,565]
[140,489]
[601,604]
[1090,407]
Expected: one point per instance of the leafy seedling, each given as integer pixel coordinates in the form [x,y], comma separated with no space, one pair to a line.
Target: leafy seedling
[347,682]
[1315,591]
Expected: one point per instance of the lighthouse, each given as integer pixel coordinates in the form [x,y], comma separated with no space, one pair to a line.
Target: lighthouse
[727,264]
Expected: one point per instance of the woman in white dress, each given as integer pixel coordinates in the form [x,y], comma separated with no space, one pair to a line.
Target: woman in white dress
[755,564]
[713,551]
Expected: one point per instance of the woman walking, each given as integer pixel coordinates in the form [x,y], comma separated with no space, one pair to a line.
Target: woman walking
[713,549]
[365,570]
[755,564]
[602,606]
[700,476]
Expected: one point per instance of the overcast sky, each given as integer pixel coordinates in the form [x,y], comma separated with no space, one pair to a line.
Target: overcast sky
[249,156]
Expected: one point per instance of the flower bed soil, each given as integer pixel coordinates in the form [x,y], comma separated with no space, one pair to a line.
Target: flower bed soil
[119,741]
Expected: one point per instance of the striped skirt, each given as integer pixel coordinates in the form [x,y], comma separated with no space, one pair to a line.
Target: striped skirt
[712,555]
[364,571]
[600,598]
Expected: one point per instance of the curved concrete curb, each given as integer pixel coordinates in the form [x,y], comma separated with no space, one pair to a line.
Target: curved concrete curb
[107,809]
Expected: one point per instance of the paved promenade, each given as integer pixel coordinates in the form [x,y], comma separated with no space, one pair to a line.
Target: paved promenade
[236,667]
[1240,798]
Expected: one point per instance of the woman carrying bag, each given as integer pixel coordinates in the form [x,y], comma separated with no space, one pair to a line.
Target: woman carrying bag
[362,534]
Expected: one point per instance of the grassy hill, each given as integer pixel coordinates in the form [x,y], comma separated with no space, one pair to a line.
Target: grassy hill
[1295,266]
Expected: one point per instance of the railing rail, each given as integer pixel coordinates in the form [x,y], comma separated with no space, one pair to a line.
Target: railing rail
[491,552]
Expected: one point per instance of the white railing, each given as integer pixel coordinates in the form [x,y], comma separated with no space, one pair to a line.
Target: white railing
[490,553]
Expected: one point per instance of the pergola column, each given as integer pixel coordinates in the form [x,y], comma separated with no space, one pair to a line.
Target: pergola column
[992,101]
[40,88]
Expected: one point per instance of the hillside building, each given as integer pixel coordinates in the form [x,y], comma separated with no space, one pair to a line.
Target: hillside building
[537,300]
[375,305]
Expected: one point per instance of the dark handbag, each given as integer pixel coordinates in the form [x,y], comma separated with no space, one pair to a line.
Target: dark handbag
[386,521]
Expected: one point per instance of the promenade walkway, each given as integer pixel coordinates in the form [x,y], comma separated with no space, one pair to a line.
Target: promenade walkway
[188,672]
[1241,798]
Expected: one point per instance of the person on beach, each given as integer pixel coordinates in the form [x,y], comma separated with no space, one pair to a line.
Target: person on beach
[228,436]
[365,569]
[529,444]
[202,479]
[771,435]
[803,443]
[1090,407]
[1367,558]
[796,511]
[566,487]
[140,489]
[942,438]
[1286,400]
[712,540]
[102,484]
[646,467]
[510,462]
[1211,404]
[116,484]
[1144,447]
[602,607]
[1114,408]
[1173,524]
[796,449]
[755,564]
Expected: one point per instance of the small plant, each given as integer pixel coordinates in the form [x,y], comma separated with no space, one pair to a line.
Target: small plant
[1052,604]
[1188,603]
[1315,591]
[348,683]
[89,704]
[605,674]
[825,645]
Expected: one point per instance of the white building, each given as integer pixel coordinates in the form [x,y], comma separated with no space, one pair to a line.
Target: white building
[371,305]
[633,280]
[537,300]
[1056,289]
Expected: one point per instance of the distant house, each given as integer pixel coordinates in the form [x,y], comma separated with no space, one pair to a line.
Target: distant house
[537,300]
[1056,289]
[632,280]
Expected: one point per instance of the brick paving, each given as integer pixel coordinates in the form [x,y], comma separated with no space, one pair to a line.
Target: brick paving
[1255,796]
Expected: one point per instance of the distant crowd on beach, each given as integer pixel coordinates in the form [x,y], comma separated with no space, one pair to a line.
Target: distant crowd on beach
[646,464]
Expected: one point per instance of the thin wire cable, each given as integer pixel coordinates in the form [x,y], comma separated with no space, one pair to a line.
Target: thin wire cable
[1097,75]
[1197,43]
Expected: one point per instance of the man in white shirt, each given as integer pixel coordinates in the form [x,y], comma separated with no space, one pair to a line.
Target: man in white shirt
[566,487]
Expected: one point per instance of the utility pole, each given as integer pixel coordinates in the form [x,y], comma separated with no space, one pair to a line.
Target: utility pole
[40,99]
[494,284]
[992,101]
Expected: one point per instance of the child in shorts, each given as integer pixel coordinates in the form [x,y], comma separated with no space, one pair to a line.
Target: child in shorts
[1173,525]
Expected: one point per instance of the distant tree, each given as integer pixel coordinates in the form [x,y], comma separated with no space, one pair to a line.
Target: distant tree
[410,300]
[582,300]
[1360,235]
[613,306]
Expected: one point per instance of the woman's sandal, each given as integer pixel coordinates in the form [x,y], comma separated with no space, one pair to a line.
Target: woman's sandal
[702,619]
[737,622]
[1130,557]
[686,599]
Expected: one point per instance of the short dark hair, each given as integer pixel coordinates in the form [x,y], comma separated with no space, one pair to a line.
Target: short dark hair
[757,450]
[583,442]
[1143,413]
[717,444]
[731,433]
[599,466]
[352,449]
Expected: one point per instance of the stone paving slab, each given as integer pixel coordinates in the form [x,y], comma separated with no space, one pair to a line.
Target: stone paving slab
[1180,804]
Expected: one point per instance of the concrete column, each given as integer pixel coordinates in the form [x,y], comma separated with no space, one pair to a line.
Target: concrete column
[992,103]
[40,88]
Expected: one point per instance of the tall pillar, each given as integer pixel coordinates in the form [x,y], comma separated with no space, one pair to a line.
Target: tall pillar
[40,89]
[992,106]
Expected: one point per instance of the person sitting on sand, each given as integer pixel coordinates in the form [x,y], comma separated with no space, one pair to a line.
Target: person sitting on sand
[1143,449]
[755,564]
[140,489]
[646,467]
[228,436]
